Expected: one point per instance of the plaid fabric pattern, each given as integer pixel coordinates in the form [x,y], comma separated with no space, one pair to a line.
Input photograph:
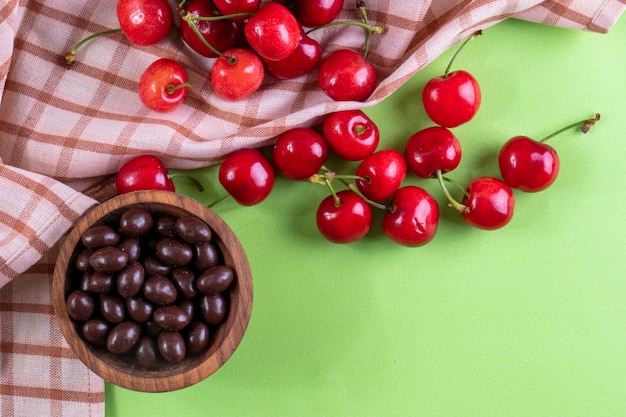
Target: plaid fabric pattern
[65,131]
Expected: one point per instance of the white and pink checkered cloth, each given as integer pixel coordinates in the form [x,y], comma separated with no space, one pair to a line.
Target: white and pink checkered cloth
[65,132]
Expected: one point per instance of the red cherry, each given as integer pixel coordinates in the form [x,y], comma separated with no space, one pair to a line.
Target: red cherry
[414,217]
[229,7]
[383,171]
[453,98]
[143,172]
[163,85]
[431,149]
[302,61]
[527,164]
[312,13]
[299,153]
[273,32]
[144,22]
[351,134]
[345,219]
[237,74]
[489,203]
[247,176]
[345,75]
[532,165]
[221,34]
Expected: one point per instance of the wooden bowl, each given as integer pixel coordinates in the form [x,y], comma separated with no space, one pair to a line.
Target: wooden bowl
[119,370]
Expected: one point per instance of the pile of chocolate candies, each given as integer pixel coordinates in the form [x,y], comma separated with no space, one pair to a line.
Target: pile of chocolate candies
[149,287]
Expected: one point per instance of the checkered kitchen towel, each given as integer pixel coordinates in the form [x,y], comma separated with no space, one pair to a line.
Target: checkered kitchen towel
[64,132]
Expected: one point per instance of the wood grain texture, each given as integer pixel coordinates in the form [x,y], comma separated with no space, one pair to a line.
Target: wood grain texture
[120,371]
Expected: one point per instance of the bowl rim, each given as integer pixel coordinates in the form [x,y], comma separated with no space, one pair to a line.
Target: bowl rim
[230,333]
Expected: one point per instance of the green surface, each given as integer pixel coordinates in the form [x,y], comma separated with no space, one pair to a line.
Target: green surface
[529,320]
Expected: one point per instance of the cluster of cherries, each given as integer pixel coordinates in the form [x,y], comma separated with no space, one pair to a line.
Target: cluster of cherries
[411,213]
[246,39]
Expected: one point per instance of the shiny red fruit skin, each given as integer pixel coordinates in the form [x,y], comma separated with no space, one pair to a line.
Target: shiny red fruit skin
[527,164]
[491,203]
[312,13]
[384,170]
[144,22]
[299,153]
[303,60]
[351,134]
[431,149]
[414,219]
[345,75]
[273,32]
[349,222]
[453,100]
[236,81]
[143,172]
[154,81]
[247,176]
[221,34]
[228,7]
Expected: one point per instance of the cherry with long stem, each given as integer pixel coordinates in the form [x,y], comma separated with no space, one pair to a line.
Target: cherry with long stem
[585,125]
[458,51]
[70,57]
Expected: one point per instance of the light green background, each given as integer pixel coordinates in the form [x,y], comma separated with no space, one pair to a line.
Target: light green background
[529,320]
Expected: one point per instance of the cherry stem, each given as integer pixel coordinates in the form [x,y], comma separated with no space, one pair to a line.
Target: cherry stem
[369,29]
[190,19]
[457,184]
[190,178]
[361,129]
[461,208]
[216,17]
[70,57]
[474,35]
[585,125]
[329,176]
[171,88]
[219,200]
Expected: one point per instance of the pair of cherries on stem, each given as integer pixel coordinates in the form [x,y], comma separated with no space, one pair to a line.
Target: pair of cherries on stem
[346,216]
[488,203]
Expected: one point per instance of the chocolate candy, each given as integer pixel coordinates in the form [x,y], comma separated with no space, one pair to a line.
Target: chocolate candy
[136,222]
[80,305]
[192,229]
[213,308]
[130,280]
[160,290]
[123,337]
[171,317]
[147,353]
[112,308]
[197,337]
[207,255]
[108,259]
[171,346]
[139,308]
[151,288]
[96,331]
[100,282]
[215,279]
[184,279]
[173,252]
[100,236]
